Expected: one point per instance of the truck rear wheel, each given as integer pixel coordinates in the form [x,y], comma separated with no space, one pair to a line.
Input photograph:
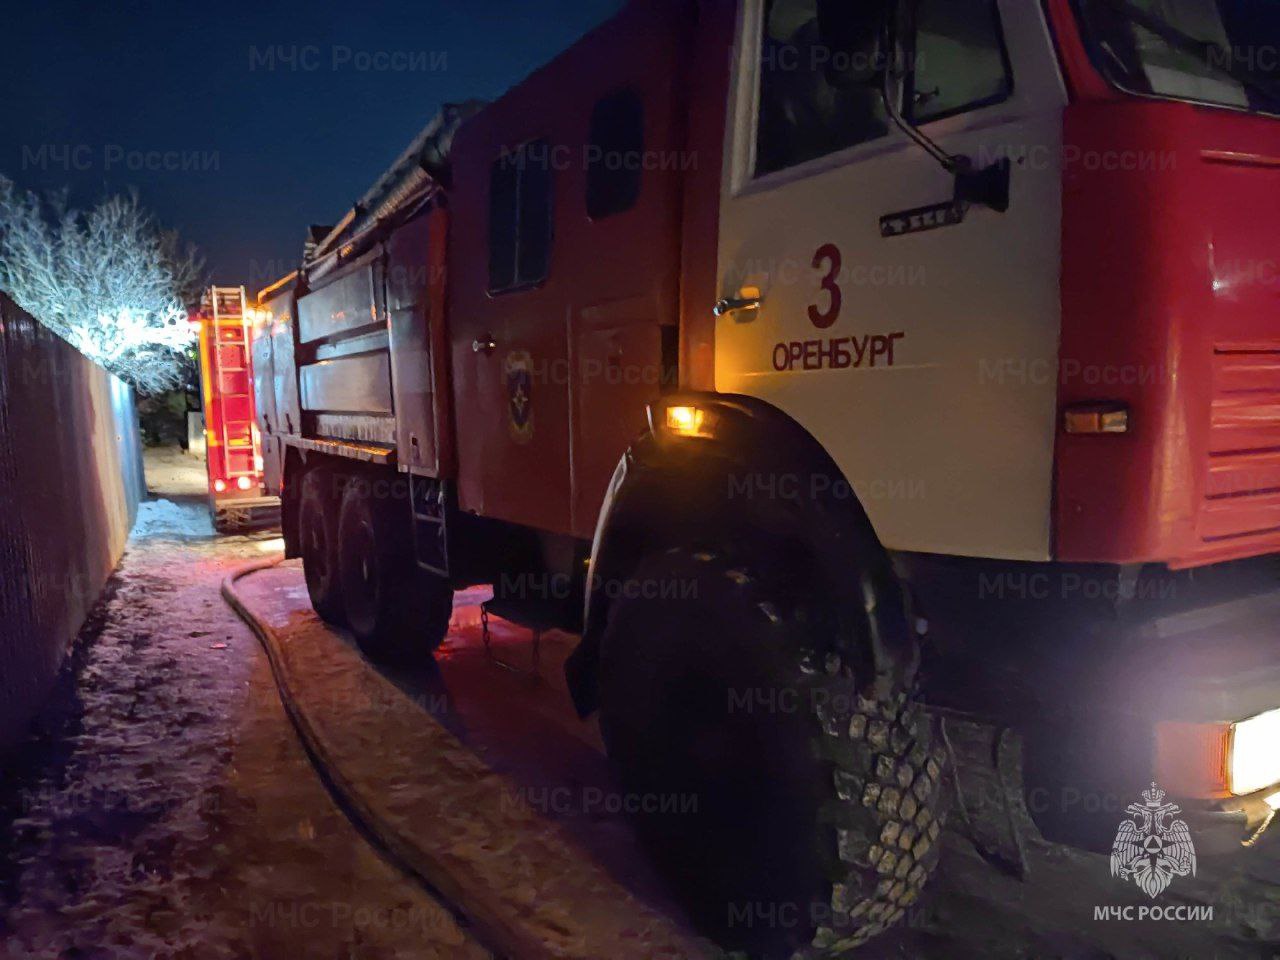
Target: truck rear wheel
[318,532]
[393,607]
[796,813]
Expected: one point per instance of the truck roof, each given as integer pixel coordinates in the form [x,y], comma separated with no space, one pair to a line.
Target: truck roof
[424,161]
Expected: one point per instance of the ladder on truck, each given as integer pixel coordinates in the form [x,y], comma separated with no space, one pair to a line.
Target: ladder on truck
[232,392]
[231,431]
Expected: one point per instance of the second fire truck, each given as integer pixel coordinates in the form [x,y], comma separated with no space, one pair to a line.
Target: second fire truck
[233,444]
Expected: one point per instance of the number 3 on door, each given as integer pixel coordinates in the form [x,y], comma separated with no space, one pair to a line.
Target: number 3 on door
[828,258]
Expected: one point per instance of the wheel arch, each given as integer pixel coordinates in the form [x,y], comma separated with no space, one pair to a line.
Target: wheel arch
[757,469]
[299,462]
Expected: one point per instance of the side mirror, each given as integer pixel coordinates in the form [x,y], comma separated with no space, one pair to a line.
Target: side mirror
[988,187]
[853,35]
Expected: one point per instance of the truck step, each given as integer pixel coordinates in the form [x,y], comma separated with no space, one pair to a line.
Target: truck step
[429,502]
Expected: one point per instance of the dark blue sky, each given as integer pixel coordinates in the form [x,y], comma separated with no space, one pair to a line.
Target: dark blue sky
[282,114]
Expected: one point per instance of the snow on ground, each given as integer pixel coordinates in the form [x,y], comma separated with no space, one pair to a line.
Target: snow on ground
[525,733]
[469,829]
[163,807]
[164,519]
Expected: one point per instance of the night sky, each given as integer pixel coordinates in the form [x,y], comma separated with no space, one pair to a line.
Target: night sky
[241,123]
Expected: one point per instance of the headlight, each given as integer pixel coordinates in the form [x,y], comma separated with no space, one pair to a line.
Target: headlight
[1255,753]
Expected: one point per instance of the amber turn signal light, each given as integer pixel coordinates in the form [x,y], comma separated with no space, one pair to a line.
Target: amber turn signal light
[683,420]
[1101,417]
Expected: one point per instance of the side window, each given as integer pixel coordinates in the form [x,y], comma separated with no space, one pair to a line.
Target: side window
[614,151]
[504,196]
[533,260]
[520,217]
[809,105]
[960,59]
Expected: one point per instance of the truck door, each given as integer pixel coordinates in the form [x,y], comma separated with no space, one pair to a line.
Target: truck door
[509,342]
[918,347]
[564,268]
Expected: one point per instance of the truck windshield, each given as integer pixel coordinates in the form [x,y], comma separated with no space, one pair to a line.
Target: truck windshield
[1223,52]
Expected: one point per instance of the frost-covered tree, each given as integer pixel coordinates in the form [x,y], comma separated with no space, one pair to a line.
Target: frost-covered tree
[107,279]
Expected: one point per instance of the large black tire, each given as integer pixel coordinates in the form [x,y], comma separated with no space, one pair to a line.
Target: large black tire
[395,610]
[818,803]
[318,533]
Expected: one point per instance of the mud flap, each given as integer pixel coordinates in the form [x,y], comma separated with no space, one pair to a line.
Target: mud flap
[989,791]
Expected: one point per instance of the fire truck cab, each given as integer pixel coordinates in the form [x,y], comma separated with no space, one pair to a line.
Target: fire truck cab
[822,363]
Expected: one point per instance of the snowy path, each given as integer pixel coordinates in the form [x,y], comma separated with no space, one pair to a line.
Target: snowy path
[528,736]
[164,807]
[470,831]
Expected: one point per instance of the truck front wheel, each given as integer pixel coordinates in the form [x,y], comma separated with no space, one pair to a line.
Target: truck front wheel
[796,812]
[318,533]
[393,608]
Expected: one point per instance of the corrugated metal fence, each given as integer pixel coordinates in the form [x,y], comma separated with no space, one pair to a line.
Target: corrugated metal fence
[70,482]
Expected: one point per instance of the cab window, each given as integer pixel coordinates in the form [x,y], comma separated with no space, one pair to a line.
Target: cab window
[816,99]
[808,108]
[960,59]
[1214,51]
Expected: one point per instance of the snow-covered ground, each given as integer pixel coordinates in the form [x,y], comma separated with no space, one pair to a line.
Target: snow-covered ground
[163,807]
[524,739]
[455,812]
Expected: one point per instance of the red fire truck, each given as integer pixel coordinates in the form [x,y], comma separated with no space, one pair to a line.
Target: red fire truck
[233,450]
[842,373]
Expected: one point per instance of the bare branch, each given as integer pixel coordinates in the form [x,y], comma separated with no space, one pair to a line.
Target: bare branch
[106,279]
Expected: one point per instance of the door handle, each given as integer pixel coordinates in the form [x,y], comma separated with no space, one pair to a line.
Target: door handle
[484,344]
[730,305]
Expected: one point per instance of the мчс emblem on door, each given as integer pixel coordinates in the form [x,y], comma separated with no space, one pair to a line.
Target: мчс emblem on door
[517,371]
[1152,849]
